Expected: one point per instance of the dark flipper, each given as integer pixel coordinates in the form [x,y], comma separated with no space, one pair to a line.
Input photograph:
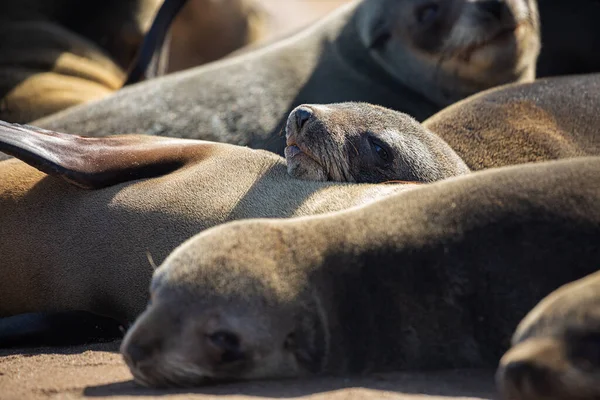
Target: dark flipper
[93,163]
[150,61]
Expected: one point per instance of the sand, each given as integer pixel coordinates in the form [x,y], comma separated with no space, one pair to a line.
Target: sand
[97,372]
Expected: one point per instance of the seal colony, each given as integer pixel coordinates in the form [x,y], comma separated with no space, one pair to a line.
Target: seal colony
[150,194]
[408,56]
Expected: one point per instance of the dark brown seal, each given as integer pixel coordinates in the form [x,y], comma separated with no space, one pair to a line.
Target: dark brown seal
[555,352]
[414,57]
[419,280]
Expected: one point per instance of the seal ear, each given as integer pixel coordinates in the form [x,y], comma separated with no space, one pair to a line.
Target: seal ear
[93,163]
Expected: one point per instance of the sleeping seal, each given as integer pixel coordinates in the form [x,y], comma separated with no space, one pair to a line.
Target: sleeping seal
[411,56]
[431,278]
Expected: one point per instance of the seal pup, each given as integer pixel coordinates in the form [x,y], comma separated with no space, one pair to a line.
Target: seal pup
[144,194]
[414,57]
[424,279]
[548,119]
[555,348]
[364,143]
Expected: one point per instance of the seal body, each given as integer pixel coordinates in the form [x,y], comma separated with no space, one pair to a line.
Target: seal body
[551,118]
[347,56]
[423,279]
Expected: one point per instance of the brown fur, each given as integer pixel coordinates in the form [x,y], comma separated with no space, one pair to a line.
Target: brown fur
[435,277]
[55,55]
[548,119]
[554,354]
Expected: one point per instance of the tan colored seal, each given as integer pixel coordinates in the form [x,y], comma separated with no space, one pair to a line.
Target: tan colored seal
[150,194]
[556,348]
[548,119]
[414,57]
[423,279]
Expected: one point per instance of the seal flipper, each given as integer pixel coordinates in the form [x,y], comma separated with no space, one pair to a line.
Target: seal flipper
[94,163]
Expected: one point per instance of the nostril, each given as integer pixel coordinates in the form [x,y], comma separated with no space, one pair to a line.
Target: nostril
[518,373]
[493,8]
[302,116]
[226,346]
[136,353]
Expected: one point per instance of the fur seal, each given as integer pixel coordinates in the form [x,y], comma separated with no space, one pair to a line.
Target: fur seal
[414,57]
[555,348]
[423,279]
[364,143]
[145,194]
[551,118]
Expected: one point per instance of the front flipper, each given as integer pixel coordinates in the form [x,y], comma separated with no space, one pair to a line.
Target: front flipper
[93,163]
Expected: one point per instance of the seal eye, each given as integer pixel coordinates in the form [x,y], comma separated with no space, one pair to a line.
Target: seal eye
[427,13]
[380,150]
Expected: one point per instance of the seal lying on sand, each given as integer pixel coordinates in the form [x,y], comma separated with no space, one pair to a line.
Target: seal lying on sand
[151,193]
[432,278]
[415,57]
[548,119]
[556,348]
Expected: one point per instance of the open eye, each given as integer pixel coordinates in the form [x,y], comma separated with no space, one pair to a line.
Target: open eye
[427,13]
[380,150]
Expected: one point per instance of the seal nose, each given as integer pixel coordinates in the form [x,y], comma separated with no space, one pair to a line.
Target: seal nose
[496,9]
[135,354]
[302,116]
[224,347]
[516,374]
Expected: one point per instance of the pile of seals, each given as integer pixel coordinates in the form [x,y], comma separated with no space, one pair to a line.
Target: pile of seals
[274,267]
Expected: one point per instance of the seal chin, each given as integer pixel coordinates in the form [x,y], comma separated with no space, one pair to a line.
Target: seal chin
[302,166]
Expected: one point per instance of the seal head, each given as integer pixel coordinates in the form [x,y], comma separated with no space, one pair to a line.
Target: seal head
[364,143]
[450,49]
[556,348]
[210,321]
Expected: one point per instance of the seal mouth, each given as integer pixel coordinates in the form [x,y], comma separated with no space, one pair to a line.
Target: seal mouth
[294,149]
[500,38]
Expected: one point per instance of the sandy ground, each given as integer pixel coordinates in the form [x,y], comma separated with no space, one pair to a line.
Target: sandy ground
[97,372]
